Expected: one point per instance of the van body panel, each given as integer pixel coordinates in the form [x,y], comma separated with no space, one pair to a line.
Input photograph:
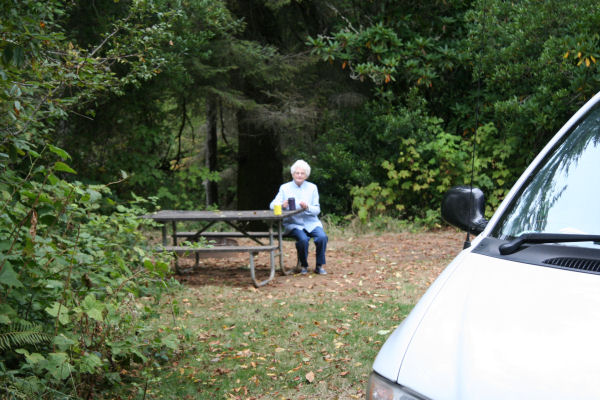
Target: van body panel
[503,326]
[390,356]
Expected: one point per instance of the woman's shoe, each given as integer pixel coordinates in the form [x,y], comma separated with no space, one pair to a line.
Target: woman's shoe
[320,270]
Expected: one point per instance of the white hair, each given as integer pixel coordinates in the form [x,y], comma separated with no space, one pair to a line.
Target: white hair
[301,164]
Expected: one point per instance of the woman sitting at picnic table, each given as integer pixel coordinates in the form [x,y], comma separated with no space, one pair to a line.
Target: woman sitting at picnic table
[306,224]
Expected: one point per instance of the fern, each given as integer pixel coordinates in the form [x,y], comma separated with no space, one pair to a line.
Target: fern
[22,333]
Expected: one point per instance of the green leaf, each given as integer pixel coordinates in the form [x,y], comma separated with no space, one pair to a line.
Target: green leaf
[63,342]
[5,244]
[34,358]
[362,214]
[59,310]
[33,153]
[89,363]
[6,312]
[95,314]
[53,179]
[94,195]
[93,308]
[61,166]
[54,284]
[57,365]
[60,152]
[8,276]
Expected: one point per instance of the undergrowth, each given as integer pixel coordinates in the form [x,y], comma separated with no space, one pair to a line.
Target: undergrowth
[73,268]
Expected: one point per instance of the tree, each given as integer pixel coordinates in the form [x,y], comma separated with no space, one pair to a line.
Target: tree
[156,123]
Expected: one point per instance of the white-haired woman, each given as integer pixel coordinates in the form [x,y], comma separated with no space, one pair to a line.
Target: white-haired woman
[304,225]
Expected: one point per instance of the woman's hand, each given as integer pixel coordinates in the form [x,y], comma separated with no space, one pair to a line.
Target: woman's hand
[285,204]
[303,205]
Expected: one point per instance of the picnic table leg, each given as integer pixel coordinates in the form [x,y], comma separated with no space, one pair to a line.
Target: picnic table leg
[164,234]
[253,274]
[174,226]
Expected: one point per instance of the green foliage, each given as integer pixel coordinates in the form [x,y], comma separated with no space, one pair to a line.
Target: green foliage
[152,128]
[21,334]
[536,63]
[408,161]
[184,188]
[73,264]
[512,72]
[398,44]
[339,167]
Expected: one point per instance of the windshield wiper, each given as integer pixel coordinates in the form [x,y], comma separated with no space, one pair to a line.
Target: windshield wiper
[514,245]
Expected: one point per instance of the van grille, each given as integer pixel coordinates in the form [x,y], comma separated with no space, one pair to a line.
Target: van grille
[583,264]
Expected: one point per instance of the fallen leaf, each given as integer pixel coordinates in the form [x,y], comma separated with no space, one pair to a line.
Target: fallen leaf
[310,377]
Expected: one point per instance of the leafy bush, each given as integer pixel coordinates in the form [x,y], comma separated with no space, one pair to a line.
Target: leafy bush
[73,268]
[427,162]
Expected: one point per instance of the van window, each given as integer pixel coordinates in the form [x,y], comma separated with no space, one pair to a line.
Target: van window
[562,195]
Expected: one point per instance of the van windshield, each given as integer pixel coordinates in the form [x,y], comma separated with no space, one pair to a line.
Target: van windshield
[562,195]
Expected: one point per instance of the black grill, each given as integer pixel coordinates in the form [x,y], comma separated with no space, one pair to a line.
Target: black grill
[583,264]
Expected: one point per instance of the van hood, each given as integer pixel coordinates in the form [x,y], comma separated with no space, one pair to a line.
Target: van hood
[497,329]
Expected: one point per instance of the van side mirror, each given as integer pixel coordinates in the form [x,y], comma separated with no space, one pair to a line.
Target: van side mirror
[464,207]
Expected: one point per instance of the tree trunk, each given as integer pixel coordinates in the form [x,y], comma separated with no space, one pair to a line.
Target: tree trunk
[259,164]
[211,187]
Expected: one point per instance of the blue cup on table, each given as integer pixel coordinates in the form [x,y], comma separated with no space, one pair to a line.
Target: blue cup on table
[291,203]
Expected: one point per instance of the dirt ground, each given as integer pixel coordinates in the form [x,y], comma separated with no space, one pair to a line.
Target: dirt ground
[368,262]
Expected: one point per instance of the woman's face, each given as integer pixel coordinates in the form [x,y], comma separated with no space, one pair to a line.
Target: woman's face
[299,176]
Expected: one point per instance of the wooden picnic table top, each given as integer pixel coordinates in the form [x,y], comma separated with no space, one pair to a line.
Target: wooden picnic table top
[219,215]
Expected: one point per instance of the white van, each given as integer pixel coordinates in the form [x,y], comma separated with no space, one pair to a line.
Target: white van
[517,314]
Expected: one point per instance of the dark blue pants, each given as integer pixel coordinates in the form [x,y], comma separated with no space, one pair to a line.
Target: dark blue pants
[302,238]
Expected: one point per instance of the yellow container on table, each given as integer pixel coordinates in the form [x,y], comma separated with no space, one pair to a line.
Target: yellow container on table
[277,209]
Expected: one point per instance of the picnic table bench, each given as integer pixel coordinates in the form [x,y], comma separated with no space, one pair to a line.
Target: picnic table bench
[238,220]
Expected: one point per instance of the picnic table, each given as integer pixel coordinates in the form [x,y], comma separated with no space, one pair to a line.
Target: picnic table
[268,241]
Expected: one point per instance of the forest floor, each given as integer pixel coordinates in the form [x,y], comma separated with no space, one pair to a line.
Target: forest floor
[366,262]
[299,337]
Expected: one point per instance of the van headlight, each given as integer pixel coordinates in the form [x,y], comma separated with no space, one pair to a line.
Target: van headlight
[380,388]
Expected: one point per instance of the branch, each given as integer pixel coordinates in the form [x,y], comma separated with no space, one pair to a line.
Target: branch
[106,39]
[335,10]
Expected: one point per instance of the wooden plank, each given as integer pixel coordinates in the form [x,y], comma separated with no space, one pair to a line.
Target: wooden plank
[217,235]
[225,234]
[217,249]
[232,215]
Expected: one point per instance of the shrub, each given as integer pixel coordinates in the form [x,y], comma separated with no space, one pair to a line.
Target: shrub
[73,268]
